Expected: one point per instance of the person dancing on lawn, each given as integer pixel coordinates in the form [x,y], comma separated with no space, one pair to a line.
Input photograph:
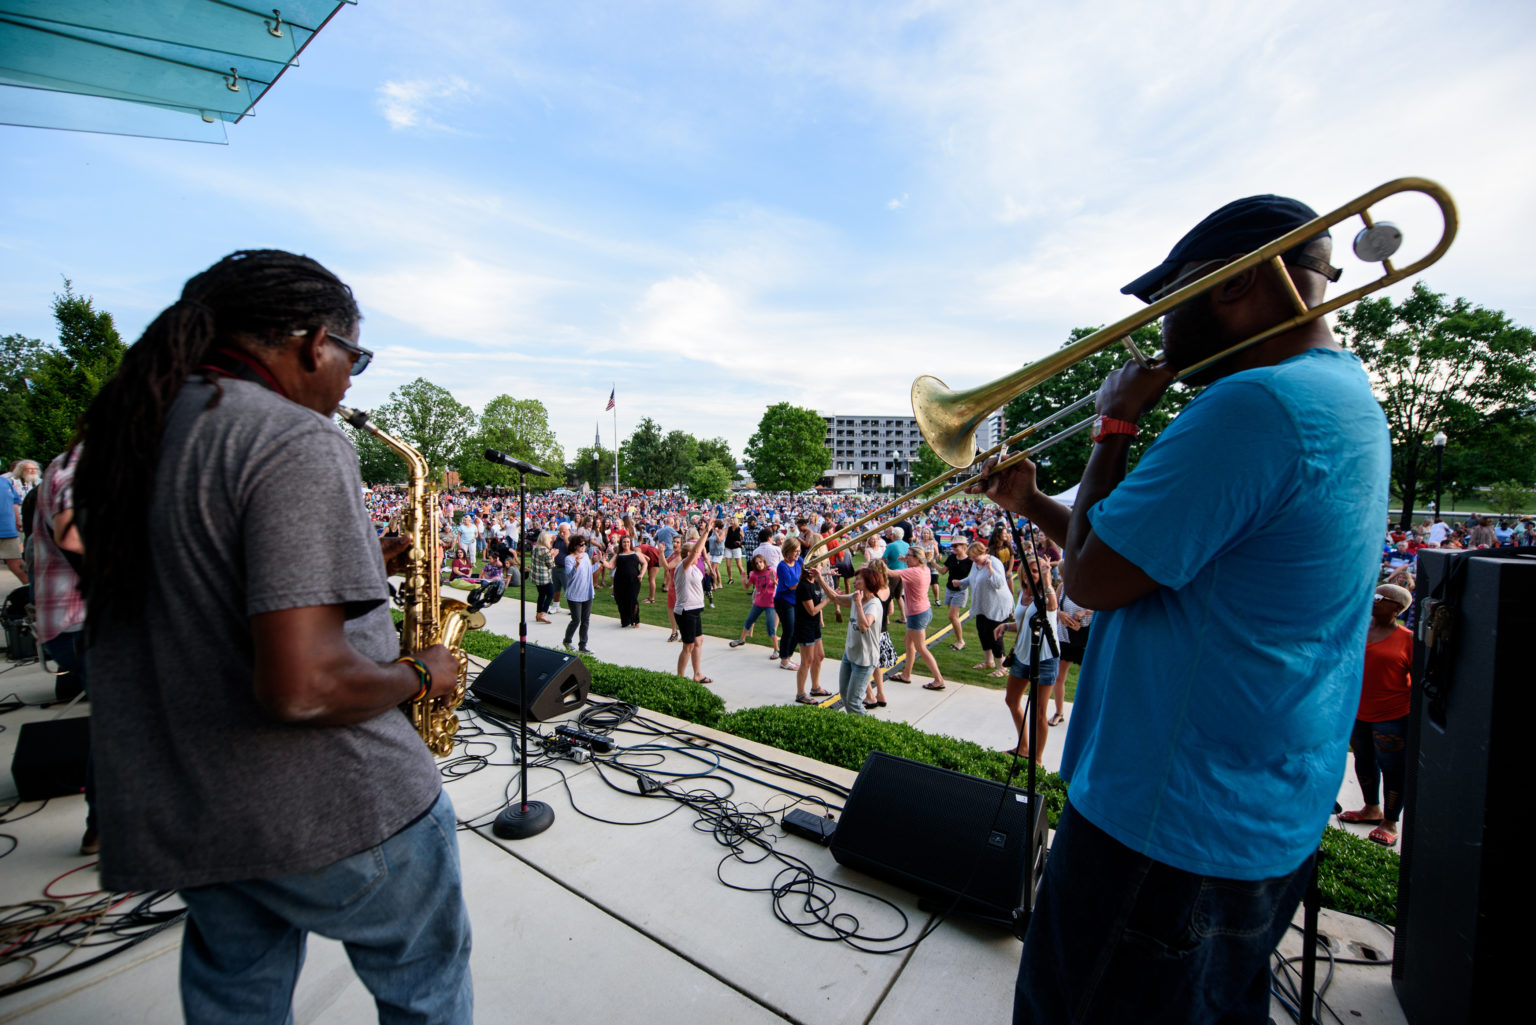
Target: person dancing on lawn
[689,609]
[861,648]
[992,605]
[810,599]
[1030,576]
[919,613]
[788,574]
[761,582]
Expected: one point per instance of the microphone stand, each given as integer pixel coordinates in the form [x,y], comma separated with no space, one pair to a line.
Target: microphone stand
[524,818]
[1039,631]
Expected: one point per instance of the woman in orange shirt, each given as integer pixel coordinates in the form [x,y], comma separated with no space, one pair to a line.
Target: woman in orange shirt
[1381,724]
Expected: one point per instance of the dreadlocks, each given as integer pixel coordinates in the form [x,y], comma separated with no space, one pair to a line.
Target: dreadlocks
[249,298]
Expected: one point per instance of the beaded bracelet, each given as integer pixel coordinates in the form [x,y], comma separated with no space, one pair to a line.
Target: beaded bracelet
[422,671]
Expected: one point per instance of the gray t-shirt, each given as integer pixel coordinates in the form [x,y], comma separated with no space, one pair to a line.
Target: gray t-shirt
[256,507]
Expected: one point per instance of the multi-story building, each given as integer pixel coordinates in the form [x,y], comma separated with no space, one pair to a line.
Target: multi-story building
[878,451]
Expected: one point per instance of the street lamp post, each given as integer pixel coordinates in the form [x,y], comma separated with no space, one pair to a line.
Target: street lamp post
[1439,442]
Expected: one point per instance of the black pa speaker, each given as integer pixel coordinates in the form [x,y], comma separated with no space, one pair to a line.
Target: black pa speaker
[941,834]
[557,683]
[1465,741]
[50,758]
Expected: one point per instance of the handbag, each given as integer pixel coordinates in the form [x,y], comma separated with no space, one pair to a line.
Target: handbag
[887,657]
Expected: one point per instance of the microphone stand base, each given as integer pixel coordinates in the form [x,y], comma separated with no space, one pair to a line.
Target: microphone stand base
[519,821]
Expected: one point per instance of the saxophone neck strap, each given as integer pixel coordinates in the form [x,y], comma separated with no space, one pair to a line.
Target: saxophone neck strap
[226,361]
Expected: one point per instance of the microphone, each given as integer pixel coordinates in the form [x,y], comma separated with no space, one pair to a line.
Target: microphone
[517,464]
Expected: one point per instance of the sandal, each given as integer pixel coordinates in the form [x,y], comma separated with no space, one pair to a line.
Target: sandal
[737,644]
[874,704]
[957,647]
[673,637]
[793,667]
[1381,836]
[893,678]
[702,679]
[982,665]
[998,673]
[1354,816]
[933,686]
[806,699]
[1056,720]
[821,694]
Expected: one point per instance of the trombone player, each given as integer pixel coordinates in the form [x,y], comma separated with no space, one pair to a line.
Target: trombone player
[1215,698]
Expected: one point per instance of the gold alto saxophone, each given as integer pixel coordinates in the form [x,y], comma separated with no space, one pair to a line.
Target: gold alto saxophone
[429,617]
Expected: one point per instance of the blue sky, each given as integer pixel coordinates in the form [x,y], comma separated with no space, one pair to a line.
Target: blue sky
[724,205]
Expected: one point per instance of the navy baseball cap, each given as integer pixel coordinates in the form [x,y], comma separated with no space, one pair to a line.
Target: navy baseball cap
[1239,227]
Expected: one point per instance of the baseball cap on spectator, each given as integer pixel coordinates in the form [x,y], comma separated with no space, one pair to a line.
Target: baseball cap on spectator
[1241,226]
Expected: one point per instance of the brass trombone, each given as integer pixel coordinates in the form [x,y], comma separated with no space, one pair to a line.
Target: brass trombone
[949,418]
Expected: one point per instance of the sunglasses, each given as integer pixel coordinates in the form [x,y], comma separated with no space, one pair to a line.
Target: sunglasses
[361,357]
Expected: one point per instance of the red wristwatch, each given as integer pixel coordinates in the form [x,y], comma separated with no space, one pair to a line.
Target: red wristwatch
[1105,426]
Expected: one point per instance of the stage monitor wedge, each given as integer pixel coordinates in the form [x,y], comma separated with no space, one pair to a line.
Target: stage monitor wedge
[558,683]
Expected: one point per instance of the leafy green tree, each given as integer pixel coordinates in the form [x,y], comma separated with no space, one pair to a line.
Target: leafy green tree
[592,464]
[376,461]
[20,358]
[67,376]
[680,452]
[926,467]
[643,461]
[429,419]
[1510,497]
[519,428]
[1062,465]
[1440,365]
[718,450]
[708,482]
[789,450]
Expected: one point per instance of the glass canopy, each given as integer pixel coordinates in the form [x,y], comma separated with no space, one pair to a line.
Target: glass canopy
[178,69]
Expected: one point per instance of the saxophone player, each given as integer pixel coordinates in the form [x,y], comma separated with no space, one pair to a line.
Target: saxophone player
[245,727]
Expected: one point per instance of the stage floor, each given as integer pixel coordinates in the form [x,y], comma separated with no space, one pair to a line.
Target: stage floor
[596,922]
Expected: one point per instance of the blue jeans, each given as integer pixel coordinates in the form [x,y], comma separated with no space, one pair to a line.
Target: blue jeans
[1117,937]
[398,907]
[852,680]
[786,611]
[1381,754]
[766,611]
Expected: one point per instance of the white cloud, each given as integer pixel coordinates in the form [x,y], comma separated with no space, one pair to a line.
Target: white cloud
[897,203]
[411,103]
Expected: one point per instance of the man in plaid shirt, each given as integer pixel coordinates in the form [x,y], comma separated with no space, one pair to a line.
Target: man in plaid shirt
[56,551]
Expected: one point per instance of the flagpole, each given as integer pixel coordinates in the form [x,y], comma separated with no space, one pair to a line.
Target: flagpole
[612,392]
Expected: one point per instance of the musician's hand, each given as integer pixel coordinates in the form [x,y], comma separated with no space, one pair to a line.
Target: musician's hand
[394,549]
[443,667]
[1128,393]
[1012,488]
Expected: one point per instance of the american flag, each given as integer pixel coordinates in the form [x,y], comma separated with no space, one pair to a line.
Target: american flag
[610,399]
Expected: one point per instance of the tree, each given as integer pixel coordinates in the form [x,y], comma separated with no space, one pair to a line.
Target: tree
[1441,366]
[789,450]
[718,450]
[1062,465]
[1510,497]
[680,452]
[429,419]
[708,482]
[519,428]
[376,461]
[593,464]
[926,467]
[20,358]
[65,377]
[642,457]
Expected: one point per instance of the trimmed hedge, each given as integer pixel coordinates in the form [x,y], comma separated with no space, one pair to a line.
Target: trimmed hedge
[1356,875]
[846,740]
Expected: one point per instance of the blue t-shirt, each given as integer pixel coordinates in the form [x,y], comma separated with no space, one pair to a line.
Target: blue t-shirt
[1213,715]
[664,537]
[8,527]
[896,555]
[789,578]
